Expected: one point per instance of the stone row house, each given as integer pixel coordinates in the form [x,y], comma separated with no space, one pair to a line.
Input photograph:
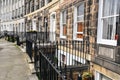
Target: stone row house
[12,12]
[96,23]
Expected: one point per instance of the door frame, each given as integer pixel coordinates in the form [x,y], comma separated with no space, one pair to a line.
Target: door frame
[53,13]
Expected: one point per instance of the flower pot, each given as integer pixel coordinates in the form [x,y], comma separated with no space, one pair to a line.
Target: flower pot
[87,78]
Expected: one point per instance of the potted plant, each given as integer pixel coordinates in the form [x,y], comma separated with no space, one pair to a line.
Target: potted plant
[87,76]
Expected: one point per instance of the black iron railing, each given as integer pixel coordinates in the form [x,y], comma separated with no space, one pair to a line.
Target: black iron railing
[60,57]
[56,60]
[45,37]
[41,37]
[31,36]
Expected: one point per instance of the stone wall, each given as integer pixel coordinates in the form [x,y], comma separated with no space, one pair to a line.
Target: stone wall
[90,21]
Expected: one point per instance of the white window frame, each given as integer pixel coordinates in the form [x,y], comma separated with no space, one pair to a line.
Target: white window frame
[100,40]
[52,28]
[61,24]
[75,23]
[53,13]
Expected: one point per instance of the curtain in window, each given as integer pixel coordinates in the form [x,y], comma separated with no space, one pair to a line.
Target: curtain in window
[109,7]
[108,28]
[110,12]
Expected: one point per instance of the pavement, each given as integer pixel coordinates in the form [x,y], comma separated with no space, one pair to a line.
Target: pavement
[13,63]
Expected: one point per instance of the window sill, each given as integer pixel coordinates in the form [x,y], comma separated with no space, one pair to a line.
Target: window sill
[107,42]
[63,37]
[78,39]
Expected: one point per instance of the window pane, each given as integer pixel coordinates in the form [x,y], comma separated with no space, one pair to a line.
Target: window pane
[80,9]
[64,27]
[64,30]
[42,3]
[80,27]
[80,18]
[108,28]
[118,7]
[64,17]
[109,7]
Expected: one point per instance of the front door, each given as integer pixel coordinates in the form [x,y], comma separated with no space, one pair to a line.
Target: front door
[52,26]
[34,28]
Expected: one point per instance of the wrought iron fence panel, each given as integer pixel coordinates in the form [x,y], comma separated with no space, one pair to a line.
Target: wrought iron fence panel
[57,60]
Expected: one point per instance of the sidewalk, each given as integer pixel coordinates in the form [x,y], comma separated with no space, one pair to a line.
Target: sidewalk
[13,63]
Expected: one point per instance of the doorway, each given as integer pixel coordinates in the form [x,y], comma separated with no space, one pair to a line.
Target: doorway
[52,26]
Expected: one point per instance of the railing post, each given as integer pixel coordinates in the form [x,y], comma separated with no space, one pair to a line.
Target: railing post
[57,53]
[65,71]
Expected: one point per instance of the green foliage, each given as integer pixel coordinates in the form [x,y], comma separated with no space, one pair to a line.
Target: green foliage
[11,39]
[55,60]
[87,75]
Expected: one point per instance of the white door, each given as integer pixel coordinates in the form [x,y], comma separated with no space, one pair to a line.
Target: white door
[52,26]
[34,25]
